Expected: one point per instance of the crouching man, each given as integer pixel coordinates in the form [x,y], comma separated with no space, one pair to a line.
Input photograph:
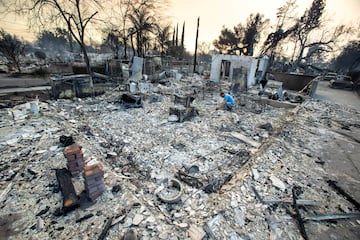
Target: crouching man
[228,103]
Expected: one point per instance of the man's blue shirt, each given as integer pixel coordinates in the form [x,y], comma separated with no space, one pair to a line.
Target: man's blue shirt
[229,99]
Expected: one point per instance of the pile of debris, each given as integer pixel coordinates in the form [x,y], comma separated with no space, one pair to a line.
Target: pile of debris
[257,172]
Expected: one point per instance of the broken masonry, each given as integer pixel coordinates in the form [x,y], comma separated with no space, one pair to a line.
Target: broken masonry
[94,180]
[75,158]
[93,174]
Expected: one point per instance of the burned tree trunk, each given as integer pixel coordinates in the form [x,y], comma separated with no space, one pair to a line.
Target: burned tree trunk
[196,44]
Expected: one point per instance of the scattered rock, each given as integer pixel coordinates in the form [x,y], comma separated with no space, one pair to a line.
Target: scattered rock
[276,182]
[255,174]
[266,126]
[138,218]
[196,233]
[173,118]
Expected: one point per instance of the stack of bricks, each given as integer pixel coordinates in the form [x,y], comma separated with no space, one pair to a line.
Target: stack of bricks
[75,158]
[94,180]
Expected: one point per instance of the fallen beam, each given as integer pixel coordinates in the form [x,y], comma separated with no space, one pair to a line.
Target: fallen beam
[245,139]
[105,230]
[84,218]
[70,199]
[298,217]
[274,103]
[299,202]
[279,104]
[333,216]
[101,76]
[341,191]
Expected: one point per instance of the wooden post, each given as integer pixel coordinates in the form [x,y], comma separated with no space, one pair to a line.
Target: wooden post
[196,44]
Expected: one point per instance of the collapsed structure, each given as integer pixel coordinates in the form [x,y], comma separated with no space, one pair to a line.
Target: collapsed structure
[257,172]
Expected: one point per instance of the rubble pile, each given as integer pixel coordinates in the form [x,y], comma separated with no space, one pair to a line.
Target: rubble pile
[233,175]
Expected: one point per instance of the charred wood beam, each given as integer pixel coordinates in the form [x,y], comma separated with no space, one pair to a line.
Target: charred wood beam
[299,202]
[333,216]
[42,212]
[84,218]
[298,215]
[105,229]
[341,191]
[70,199]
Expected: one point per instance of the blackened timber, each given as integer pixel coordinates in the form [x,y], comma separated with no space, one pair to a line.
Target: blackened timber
[196,44]
[298,215]
[332,216]
[84,218]
[105,229]
[42,212]
[70,199]
[341,191]
[299,202]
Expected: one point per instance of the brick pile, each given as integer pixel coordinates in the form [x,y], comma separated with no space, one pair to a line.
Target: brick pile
[94,180]
[75,159]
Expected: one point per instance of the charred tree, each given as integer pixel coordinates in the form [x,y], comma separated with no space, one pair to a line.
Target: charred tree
[74,15]
[196,44]
[11,48]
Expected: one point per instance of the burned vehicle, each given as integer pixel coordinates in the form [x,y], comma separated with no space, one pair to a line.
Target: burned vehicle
[342,82]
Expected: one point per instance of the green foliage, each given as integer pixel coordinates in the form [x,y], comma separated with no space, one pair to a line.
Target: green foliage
[242,39]
[254,27]
[227,42]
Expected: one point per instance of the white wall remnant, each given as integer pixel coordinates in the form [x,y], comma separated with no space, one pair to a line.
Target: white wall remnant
[262,66]
[247,62]
[136,68]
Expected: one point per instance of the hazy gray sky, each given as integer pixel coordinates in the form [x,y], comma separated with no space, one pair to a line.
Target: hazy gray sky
[217,13]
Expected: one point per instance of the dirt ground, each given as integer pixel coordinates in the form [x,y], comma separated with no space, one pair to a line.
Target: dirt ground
[342,158]
[339,96]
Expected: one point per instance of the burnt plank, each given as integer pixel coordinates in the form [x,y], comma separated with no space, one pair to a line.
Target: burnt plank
[298,215]
[70,199]
[106,229]
[341,191]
